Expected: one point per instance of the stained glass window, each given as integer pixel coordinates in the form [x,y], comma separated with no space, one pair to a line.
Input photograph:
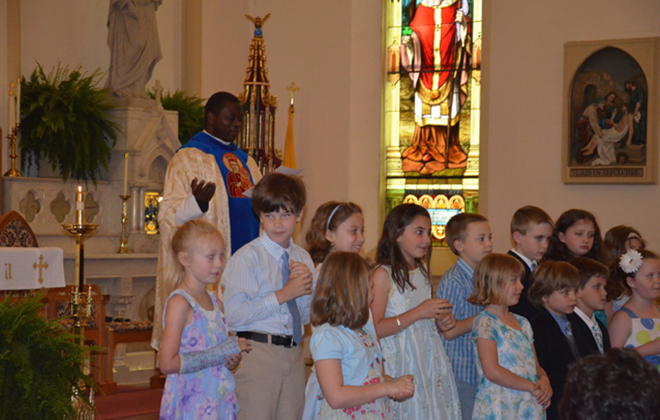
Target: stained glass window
[432,102]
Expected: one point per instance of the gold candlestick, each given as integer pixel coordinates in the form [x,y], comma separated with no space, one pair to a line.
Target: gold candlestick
[80,230]
[81,308]
[81,302]
[123,244]
[12,137]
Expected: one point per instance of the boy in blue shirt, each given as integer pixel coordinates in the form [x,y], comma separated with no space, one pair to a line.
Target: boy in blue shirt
[468,236]
[268,285]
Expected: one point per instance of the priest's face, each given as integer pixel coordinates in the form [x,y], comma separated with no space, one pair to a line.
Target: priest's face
[227,124]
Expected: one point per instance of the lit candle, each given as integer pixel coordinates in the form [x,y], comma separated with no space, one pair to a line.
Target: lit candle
[18,101]
[125,173]
[12,105]
[80,206]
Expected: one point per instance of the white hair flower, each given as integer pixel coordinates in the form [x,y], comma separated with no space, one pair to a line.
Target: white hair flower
[631,261]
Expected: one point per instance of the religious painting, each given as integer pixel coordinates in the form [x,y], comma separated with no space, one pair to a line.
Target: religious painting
[609,120]
[432,101]
[238,178]
[151,206]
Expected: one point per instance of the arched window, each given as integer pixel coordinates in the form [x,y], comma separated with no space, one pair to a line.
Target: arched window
[432,103]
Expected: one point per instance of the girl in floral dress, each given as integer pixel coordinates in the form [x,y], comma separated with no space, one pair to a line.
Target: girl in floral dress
[511,385]
[346,353]
[196,352]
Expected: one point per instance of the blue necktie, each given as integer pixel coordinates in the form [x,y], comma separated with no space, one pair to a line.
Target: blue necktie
[293,308]
[571,341]
[533,266]
[598,335]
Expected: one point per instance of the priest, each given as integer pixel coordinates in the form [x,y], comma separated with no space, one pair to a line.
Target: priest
[206,179]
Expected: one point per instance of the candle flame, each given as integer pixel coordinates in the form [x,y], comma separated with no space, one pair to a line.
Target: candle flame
[79,188]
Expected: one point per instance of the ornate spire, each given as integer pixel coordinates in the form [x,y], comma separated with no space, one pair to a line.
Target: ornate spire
[259,106]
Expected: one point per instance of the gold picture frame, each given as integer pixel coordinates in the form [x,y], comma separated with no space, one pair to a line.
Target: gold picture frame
[610,112]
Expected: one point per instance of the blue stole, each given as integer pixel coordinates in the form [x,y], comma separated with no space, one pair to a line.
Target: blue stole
[232,161]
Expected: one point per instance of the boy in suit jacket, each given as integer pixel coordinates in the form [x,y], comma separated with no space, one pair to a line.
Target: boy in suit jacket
[531,228]
[553,291]
[590,333]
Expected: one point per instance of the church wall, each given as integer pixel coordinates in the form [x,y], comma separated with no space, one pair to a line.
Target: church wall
[331,50]
[522,112]
[75,33]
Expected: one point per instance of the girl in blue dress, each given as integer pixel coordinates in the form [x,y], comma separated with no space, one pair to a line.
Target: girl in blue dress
[346,352]
[511,385]
[196,352]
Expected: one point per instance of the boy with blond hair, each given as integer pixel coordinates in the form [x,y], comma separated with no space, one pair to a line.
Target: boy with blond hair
[531,229]
[268,285]
[468,236]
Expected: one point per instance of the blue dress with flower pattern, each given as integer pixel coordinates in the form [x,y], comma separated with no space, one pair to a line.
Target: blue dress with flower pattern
[515,352]
[209,393]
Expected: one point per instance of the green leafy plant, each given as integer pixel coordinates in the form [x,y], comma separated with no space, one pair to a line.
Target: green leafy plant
[40,364]
[65,119]
[190,109]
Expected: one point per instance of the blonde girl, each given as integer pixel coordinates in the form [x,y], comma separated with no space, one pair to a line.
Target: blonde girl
[196,352]
[511,385]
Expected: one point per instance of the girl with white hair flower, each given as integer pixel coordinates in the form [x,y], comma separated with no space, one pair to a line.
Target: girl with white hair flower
[637,324]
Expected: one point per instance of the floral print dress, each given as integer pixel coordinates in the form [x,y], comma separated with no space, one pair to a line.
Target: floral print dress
[361,362]
[209,393]
[515,352]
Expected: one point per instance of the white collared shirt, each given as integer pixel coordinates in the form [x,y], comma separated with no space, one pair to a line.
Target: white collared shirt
[524,258]
[251,278]
[589,321]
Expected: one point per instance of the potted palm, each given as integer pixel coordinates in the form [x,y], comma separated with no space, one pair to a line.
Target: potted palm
[190,109]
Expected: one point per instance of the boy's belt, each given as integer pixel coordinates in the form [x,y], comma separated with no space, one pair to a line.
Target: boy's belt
[278,340]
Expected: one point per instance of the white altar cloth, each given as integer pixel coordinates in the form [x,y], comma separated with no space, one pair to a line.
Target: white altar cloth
[31,268]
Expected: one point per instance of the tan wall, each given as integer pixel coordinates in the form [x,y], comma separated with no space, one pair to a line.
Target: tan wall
[522,105]
[75,33]
[332,50]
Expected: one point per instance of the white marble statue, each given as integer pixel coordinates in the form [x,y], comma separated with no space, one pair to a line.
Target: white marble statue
[134,46]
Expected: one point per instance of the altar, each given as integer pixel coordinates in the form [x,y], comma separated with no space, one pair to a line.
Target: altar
[146,142]
[31,268]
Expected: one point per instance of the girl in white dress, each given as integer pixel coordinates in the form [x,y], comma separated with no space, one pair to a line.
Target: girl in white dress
[407,318]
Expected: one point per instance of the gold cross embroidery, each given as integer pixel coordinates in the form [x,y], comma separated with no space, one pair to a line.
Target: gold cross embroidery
[41,266]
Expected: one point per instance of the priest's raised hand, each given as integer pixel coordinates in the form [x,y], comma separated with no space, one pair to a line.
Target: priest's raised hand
[203,192]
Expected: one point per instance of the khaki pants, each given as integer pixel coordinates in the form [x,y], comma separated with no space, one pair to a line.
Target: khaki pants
[270,385]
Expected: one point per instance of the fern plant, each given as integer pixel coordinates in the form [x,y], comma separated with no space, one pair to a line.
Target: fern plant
[65,119]
[190,109]
[40,364]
